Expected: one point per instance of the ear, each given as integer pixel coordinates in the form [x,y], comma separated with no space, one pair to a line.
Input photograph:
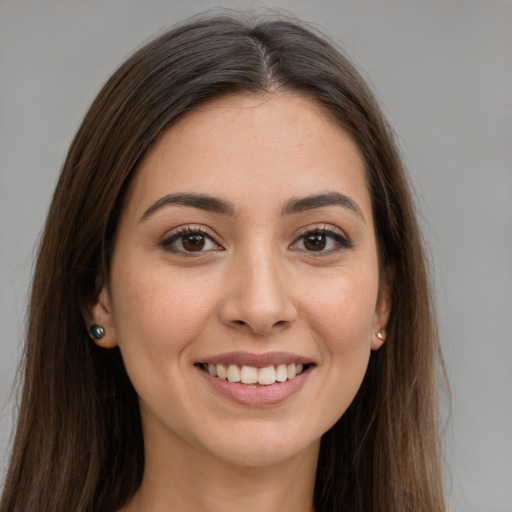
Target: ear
[100,313]
[382,310]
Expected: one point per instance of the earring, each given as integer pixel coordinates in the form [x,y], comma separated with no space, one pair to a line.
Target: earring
[96,332]
[380,336]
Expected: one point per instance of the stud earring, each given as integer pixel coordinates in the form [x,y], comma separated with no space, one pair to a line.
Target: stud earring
[96,332]
[380,336]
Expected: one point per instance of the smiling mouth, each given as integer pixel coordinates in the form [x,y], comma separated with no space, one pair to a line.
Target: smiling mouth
[254,375]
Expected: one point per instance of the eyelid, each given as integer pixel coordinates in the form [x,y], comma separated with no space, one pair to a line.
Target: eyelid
[188,229]
[321,227]
[339,236]
[328,229]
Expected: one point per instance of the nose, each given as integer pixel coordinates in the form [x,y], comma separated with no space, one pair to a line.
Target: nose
[257,296]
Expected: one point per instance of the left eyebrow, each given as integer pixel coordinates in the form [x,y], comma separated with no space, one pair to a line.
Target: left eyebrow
[199,201]
[302,204]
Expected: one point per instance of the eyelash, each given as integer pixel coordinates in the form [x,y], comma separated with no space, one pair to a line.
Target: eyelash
[183,231]
[339,239]
[179,233]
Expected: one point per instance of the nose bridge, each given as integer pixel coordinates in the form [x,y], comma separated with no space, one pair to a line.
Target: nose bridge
[262,287]
[258,297]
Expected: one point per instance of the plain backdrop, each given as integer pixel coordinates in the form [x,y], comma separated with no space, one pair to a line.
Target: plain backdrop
[443,73]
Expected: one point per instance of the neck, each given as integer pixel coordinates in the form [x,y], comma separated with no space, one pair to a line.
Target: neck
[181,479]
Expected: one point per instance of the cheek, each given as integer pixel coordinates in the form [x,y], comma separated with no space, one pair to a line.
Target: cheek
[341,319]
[157,315]
[343,309]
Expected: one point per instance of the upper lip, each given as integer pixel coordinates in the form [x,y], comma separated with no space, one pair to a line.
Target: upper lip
[258,360]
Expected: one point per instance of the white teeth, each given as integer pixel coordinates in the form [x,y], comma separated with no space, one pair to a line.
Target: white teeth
[267,375]
[254,375]
[222,371]
[233,373]
[249,375]
[281,373]
[291,370]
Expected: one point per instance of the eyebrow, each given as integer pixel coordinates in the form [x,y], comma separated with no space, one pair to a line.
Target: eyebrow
[200,201]
[303,204]
[216,205]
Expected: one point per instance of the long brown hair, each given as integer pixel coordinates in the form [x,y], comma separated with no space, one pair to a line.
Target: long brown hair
[78,444]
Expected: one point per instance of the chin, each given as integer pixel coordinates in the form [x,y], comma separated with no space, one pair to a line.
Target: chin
[260,455]
[258,444]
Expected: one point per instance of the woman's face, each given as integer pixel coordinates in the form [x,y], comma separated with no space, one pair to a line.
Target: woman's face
[245,247]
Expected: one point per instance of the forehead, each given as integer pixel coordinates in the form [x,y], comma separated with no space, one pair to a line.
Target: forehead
[242,145]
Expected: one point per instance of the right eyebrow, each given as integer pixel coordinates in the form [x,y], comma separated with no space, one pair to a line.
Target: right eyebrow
[303,204]
[200,201]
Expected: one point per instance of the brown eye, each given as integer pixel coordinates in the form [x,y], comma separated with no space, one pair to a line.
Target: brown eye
[187,241]
[315,242]
[193,243]
[322,241]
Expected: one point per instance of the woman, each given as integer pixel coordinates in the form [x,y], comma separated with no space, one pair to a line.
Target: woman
[230,307]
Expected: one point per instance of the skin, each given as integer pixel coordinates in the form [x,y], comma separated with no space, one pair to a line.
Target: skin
[257,286]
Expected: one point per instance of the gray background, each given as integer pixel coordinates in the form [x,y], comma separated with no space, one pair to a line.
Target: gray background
[443,72]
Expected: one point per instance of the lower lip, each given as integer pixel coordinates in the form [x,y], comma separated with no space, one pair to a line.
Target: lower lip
[256,395]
